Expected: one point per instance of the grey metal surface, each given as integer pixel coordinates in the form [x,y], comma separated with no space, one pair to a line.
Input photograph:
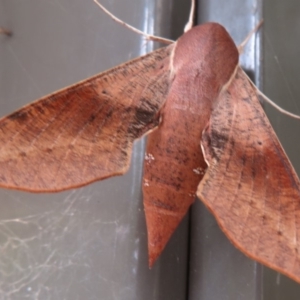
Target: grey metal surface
[88,243]
[282,85]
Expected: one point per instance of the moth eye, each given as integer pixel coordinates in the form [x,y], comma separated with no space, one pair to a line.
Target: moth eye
[259,143]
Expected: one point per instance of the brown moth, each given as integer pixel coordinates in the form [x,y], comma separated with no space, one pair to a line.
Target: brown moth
[207,136]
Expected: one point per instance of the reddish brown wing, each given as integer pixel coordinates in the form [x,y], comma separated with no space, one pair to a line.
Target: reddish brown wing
[250,185]
[85,132]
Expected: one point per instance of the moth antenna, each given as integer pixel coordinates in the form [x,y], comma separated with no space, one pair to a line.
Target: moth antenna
[147,36]
[190,22]
[246,40]
[268,100]
[5,31]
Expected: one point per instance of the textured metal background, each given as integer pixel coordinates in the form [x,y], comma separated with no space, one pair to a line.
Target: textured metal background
[90,243]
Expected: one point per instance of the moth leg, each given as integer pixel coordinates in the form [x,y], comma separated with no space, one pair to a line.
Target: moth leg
[190,23]
[272,103]
[246,40]
[147,36]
